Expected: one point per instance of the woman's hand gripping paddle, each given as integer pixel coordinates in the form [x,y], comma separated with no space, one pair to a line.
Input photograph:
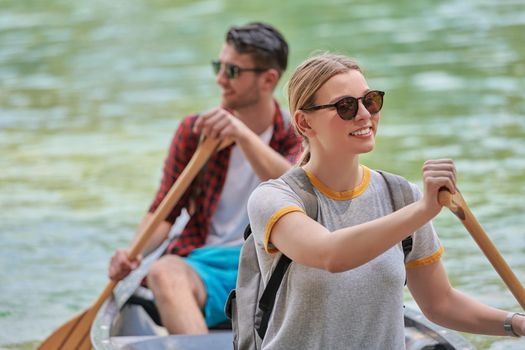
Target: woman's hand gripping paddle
[459,207]
[75,333]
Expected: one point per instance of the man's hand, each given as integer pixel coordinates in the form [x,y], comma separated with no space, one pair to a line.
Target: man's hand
[219,123]
[120,266]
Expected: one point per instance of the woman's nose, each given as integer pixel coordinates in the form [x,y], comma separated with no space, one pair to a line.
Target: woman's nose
[362,112]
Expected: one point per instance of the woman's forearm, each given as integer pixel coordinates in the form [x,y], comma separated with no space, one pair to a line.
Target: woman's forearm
[353,246]
[462,313]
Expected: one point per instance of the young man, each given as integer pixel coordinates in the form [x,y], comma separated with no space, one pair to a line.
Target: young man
[192,281]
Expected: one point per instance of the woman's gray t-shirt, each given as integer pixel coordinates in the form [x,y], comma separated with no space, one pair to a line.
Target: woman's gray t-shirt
[357,309]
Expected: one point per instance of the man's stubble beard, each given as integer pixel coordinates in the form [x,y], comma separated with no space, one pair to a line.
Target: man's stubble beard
[251,96]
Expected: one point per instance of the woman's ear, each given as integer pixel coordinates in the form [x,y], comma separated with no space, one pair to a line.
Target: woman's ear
[303,125]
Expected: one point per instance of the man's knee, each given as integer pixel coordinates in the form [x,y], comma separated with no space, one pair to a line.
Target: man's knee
[169,270]
[171,274]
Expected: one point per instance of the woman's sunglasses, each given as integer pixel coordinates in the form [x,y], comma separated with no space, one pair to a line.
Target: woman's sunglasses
[347,107]
[232,71]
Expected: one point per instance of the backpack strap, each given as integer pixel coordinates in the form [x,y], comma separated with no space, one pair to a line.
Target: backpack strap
[298,181]
[400,195]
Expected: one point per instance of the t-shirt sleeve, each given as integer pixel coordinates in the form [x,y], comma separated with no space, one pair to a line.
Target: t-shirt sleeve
[426,247]
[269,202]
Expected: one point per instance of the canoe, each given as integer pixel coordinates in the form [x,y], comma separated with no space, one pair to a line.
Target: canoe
[120,325]
[131,328]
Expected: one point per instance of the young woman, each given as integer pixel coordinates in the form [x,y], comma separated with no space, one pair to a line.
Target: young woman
[344,289]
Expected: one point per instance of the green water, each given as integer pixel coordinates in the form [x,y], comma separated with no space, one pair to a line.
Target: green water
[91,91]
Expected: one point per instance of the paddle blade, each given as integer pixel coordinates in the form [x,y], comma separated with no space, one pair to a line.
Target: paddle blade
[74,334]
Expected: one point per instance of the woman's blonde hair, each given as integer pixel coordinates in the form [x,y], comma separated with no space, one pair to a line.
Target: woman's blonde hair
[307,78]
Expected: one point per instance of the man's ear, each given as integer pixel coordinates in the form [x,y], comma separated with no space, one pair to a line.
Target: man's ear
[271,78]
[303,125]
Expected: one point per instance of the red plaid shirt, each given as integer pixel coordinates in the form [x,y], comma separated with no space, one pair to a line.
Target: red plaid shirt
[203,195]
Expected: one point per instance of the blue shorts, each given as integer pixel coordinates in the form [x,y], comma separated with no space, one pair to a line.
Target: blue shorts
[217,267]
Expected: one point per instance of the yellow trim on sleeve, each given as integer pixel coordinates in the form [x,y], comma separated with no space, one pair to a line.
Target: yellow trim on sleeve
[426,260]
[268,247]
[342,195]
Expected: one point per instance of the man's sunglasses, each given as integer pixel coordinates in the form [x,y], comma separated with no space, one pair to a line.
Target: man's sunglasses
[233,71]
[347,107]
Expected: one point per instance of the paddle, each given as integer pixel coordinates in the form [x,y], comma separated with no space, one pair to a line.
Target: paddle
[459,207]
[75,333]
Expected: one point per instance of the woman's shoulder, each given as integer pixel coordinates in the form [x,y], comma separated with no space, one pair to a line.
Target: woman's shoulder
[274,193]
[272,187]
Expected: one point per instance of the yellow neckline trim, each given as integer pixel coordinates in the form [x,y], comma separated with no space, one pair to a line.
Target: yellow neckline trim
[344,195]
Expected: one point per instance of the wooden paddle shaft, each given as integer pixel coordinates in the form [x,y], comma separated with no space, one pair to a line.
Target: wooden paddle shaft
[199,158]
[74,334]
[456,203]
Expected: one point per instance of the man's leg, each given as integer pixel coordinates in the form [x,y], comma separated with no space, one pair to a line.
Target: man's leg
[180,295]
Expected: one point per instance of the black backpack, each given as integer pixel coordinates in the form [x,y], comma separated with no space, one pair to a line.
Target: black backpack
[250,305]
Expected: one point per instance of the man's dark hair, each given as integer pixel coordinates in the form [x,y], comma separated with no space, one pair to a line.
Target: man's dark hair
[263,42]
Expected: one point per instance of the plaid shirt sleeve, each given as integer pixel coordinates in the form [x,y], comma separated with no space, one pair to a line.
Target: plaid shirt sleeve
[183,145]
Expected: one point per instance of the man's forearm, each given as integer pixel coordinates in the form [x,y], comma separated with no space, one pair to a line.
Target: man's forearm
[266,162]
[160,234]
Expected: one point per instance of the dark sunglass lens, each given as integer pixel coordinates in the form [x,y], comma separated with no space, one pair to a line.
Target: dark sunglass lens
[347,108]
[216,66]
[373,101]
[232,71]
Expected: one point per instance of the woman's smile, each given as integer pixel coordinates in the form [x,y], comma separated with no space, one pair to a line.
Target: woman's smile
[363,132]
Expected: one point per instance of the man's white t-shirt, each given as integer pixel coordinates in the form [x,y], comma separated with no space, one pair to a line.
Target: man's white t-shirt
[231,217]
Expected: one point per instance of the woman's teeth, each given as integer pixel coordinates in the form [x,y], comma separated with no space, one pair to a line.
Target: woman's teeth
[361,132]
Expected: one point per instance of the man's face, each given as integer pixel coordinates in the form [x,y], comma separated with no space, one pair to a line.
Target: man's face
[242,90]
